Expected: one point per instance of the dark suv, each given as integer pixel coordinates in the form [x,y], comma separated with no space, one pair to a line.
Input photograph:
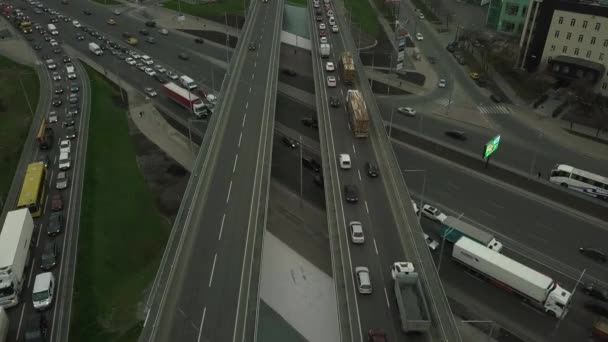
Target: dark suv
[36,328]
[312,164]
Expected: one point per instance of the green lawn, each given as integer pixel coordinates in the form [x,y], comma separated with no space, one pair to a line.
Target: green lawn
[219,8]
[364,14]
[298,3]
[15,116]
[108,2]
[122,235]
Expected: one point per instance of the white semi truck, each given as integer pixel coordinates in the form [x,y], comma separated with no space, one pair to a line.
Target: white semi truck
[15,245]
[531,285]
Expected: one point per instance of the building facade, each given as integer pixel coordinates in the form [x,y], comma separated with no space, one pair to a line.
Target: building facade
[571,42]
[507,16]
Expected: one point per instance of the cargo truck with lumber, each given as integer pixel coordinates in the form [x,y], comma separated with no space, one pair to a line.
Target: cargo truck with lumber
[534,287]
[15,245]
[357,111]
[3,325]
[413,308]
[186,99]
[452,229]
[348,68]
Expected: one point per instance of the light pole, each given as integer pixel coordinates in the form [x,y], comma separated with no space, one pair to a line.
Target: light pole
[190,121]
[447,108]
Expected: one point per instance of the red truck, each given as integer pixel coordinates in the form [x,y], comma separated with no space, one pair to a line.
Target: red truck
[186,99]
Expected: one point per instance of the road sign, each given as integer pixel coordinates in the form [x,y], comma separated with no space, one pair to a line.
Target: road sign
[491,147]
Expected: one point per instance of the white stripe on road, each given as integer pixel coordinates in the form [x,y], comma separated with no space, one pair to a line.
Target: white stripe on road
[219,237]
[212,270]
[229,189]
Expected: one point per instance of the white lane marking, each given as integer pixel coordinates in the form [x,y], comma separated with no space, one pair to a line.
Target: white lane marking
[247,103]
[236,159]
[354,149]
[366,207]
[359,173]
[20,320]
[219,237]
[229,189]
[386,296]
[212,269]
[255,63]
[342,92]
[200,328]
[376,247]
[38,238]
[252,76]
[249,90]
[240,137]
[244,117]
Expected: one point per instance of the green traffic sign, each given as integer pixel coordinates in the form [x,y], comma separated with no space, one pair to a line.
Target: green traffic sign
[491,147]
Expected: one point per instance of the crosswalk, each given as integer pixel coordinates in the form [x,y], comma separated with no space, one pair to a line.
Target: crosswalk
[443,101]
[494,109]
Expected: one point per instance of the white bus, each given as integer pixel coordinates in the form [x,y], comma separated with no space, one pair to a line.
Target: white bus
[579,180]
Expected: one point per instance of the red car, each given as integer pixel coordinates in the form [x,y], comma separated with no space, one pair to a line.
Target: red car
[376,335]
[327,7]
[322,33]
[57,202]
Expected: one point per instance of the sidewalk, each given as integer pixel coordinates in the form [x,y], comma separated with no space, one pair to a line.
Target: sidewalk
[146,118]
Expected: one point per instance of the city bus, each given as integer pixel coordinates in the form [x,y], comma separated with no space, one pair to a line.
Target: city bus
[33,192]
[579,180]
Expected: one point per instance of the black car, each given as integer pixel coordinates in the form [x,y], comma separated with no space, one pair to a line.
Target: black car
[310,122]
[351,194]
[45,159]
[252,46]
[319,18]
[318,179]
[127,35]
[84,28]
[55,225]
[59,90]
[151,23]
[79,37]
[57,50]
[74,88]
[160,78]
[150,40]
[46,37]
[144,32]
[37,47]
[451,47]
[87,12]
[70,132]
[495,98]
[183,56]
[73,98]
[73,110]
[291,143]
[593,291]
[597,309]
[199,40]
[54,20]
[372,169]
[56,102]
[460,135]
[66,59]
[311,163]
[36,328]
[334,101]
[593,254]
[69,123]
[289,72]
[48,258]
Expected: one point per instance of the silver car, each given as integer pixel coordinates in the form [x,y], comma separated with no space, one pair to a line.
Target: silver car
[62,180]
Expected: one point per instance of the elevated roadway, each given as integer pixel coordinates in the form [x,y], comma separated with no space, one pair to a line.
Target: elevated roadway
[207,286]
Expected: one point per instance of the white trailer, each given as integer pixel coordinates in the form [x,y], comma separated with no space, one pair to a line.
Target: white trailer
[3,325]
[15,245]
[533,286]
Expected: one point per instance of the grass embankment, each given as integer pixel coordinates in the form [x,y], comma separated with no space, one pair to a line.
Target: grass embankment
[122,235]
[363,14]
[220,8]
[15,116]
[298,3]
[108,2]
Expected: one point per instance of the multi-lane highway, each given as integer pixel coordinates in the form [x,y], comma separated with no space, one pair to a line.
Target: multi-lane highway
[212,289]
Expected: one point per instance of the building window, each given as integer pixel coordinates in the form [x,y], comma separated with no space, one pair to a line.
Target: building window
[523,11]
[585,24]
[564,49]
[557,36]
[601,57]
[508,26]
[511,9]
[572,22]
[576,51]
[580,38]
[597,26]
[592,40]
[589,54]
[561,20]
[552,47]
[568,35]
[604,85]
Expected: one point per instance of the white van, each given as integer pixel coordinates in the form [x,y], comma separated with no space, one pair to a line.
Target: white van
[187,82]
[52,29]
[44,289]
[344,160]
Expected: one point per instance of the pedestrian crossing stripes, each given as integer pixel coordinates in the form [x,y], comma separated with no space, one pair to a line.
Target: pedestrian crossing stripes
[494,109]
[443,101]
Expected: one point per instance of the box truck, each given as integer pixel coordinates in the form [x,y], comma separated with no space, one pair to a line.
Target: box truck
[413,308]
[534,287]
[15,245]
[452,229]
[358,114]
[53,29]
[3,325]
[94,48]
[186,99]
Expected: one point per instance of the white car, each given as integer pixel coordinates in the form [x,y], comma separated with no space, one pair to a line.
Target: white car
[172,75]
[53,117]
[76,23]
[433,213]
[442,83]
[332,21]
[56,76]
[146,60]
[356,232]
[150,92]
[323,40]
[401,267]
[329,66]
[130,61]
[407,111]
[53,42]
[331,81]
[150,72]
[65,146]
[419,36]
[433,245]
[330,13]
[134,54]
[72,76]
[160,68]
[64,161]
[421,16]
[316,4]
[322,26]
[415,206]
[335,29]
